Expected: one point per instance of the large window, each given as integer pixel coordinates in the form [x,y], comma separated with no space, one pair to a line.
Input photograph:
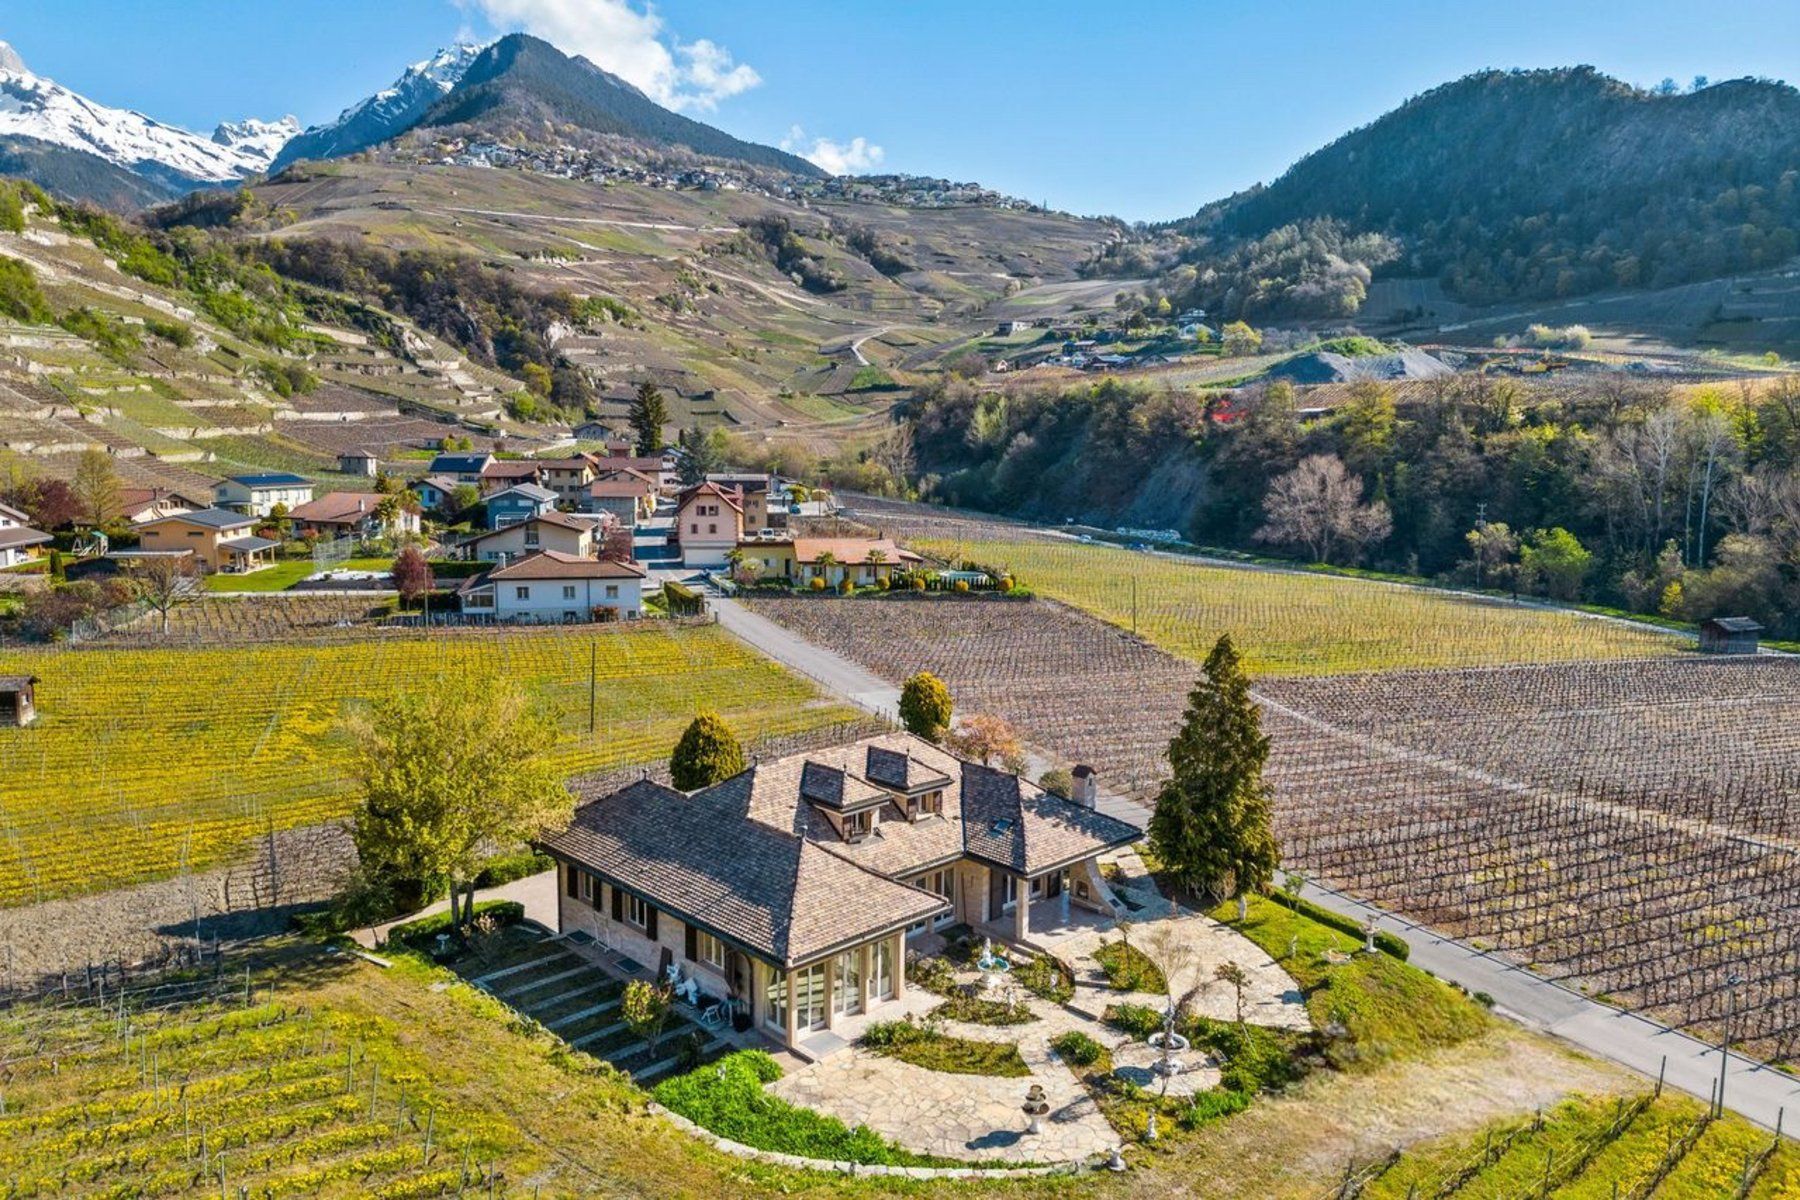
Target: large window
[942,883]
[846,983]
[710,949]
[636,912]
[775,1006]
[809,997]
[881,970]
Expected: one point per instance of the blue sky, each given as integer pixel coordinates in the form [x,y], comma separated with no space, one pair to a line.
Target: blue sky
[1144,110]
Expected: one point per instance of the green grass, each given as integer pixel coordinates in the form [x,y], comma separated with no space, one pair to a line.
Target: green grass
[975,1010]
[278,578]
[218,742]
[1297,623]
[1384,1008]
[935,1051]
[1129,969]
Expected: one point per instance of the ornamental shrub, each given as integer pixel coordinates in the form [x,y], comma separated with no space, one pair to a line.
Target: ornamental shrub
[707,752]
[816,583]
[925,706]
[962,585]
[1077,1048]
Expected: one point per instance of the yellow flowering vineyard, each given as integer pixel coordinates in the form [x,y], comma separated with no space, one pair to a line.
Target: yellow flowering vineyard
[144,762]
[1290,623]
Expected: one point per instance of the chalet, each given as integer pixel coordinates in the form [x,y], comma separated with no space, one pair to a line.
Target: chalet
[257,495]
[627,495]
[660,469]
[352,514]
[552,588]
[18,540]
[567,477]
[547,531]
[793,887]
[437,492]
[220,540]
[521,502]
[709,524]
[464,468]
[504,473]
[138,505]
[1729,635]
[864,561]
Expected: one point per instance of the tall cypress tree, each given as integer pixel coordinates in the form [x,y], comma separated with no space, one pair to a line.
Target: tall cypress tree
[649,413]
[707,752]
[1211,824]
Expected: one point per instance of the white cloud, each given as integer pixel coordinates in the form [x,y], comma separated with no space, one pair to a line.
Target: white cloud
[632,44]
[855,157]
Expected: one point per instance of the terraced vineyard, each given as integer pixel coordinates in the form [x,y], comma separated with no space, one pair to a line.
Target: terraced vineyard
[146,761]
[1288,623]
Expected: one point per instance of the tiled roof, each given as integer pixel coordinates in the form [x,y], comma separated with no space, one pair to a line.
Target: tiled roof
[22,535]
[632,489]
[13,514]
[249,544]
[778,895]
[338,508]
[459,464]
[730,496]
[851,552]
[561,520]
[553,564]
[530,491]
[512,468]
[211,518]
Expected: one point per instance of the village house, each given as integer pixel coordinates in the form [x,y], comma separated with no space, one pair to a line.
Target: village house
[567,477]
[865,561]
[220,540]
[556,531]
[555,588]
[660,470]
[18,540]
[627,495]
[352,514]
[359,462]
[763,506]
[138,505]
[709,524]
[793,888]
[257,495]
[436,492]
[505,473]
[520,502]
[464,468]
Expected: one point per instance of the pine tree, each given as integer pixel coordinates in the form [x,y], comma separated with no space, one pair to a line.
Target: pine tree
[925,706]
[649,413]
[700,456]
[707,752]
[1211,824]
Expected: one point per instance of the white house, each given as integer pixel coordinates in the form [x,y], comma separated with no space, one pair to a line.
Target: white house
[18,540]
[558,531]
[256,495]
[552,588]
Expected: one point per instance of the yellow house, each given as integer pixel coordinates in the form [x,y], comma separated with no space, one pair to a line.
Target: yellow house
[220,539]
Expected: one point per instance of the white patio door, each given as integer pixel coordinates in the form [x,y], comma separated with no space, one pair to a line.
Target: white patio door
[809,997]
[846,985]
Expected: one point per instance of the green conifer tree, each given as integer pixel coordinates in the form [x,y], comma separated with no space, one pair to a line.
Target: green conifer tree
[707,752]
[925,706]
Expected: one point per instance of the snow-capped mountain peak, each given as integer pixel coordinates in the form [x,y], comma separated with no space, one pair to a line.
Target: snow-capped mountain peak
[389,112]
[34,107]
[257,141]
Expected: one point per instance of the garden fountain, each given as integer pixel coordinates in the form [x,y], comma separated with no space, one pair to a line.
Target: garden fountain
[993,967]
[1170,1043]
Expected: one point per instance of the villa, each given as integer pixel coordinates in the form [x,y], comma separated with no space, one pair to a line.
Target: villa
[793,888]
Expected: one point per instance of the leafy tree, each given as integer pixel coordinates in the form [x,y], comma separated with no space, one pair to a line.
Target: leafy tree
[1491,548]
[464,497]
[707,753]
[1235,977]
[984,738]
[20,297]
[649,413]
[925,706]
[449,771]
[645,1008]
[1238,338]
[413,577]
[1058,782]
[50,503]
[1556,561]
[1211,822]
[98,486]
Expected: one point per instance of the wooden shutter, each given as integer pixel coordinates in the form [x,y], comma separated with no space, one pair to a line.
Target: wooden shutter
[618,904]
[650,922]
[693,943]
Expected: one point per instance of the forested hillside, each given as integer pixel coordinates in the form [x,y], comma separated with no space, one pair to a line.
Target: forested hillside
[1513,185]
[1680,501]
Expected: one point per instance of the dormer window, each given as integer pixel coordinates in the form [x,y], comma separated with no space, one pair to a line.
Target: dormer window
[931,803]
[859,825]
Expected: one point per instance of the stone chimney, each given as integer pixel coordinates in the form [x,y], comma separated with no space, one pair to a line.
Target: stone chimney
[1087,786]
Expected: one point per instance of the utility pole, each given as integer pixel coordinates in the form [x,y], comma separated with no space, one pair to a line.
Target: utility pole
[1480,544]
[593,661]
[1732,982]
[1134,606]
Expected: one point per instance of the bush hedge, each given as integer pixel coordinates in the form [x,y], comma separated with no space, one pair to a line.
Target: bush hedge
[1077,1048]
[419,934]
[1389,943]
[505,868]
[727,1098]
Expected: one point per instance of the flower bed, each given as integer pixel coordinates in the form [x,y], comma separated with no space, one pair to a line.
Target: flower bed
[925,1047]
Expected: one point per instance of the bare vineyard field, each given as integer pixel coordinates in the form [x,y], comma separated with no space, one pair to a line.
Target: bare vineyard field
[1291,623]
[1623,825]
[146,762]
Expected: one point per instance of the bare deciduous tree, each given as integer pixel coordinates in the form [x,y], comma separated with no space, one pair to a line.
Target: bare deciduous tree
[166,580]
[1318,505]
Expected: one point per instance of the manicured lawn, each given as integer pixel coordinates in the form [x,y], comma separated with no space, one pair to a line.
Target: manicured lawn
[278,578]
[939,1052]
[1129,969]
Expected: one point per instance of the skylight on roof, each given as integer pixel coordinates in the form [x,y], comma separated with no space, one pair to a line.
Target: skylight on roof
[1001,825]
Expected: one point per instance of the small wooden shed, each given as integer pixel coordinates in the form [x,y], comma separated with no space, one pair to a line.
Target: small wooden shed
[1729,635]
[18,706]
